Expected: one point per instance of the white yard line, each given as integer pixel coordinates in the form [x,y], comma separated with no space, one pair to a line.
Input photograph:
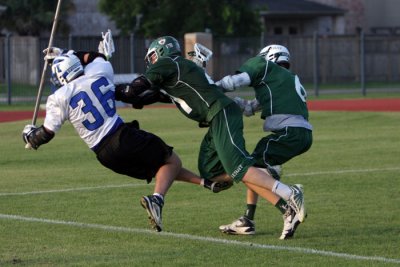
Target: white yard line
[344,172]
[203,239]
[71,189]
[135,185]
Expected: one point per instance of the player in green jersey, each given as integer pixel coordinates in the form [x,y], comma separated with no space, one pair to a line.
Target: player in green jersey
[222,155]
[282,101]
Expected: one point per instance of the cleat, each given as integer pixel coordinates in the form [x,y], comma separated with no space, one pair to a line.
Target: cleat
[290,223]
[296,201]
[241,226]
[153,206]
[217,187]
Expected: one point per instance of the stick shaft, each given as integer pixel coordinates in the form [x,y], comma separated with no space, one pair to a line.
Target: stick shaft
[39,95]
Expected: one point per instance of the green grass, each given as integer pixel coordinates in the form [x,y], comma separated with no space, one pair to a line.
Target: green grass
[351,178]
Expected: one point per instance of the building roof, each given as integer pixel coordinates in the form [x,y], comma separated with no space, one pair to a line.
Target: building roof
[294,8]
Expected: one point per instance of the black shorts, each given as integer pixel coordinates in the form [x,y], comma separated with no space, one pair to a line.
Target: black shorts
[133,152]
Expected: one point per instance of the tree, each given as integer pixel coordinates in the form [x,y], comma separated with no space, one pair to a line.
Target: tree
[166,17]
[32,17]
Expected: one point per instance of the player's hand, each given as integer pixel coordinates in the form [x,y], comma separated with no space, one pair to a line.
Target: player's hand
[26,134]
[240,102]
[227,83]
[248,110]
[51,53]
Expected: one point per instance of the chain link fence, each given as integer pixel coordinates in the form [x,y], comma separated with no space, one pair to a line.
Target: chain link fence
[319,61]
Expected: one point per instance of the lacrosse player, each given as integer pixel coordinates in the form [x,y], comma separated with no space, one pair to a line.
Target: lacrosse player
[85,97]
[282,101]
[222,152]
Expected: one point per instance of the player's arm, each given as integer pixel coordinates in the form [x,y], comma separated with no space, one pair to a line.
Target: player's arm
[230,82]
[87,57]
[36,136]
[139,93]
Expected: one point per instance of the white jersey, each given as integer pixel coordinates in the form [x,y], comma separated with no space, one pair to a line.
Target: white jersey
[88,102]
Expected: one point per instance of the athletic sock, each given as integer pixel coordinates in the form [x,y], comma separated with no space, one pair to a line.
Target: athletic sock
[282,190]
[281,205]
[206,183]
[250,211]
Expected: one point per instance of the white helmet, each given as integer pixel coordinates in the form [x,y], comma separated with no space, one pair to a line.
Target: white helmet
[200,55]
[276,53]
[65,68]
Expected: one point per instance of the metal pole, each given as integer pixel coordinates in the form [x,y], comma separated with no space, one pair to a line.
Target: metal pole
[316,65]
[8,67]
[132,52]
[39,95]
[70,41]
[362,63]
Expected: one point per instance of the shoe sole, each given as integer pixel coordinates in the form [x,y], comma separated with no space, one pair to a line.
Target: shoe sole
[291,234]
[228,231]
[145,204]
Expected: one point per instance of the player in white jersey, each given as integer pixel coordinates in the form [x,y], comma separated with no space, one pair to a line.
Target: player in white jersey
[86,98]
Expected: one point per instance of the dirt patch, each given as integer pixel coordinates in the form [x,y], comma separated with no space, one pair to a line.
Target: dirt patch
[386,104]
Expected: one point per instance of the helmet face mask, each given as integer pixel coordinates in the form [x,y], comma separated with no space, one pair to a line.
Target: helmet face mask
[277,54]
[201,55]
[64,69]
[162,47]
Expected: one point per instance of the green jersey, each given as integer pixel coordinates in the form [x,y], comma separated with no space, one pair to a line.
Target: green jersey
[278,90]
[188,87]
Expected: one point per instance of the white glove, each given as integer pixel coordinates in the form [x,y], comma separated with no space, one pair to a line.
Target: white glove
[28,130]
[248,110]
[245,106]
[53,52]
[106,46]
[255,105]
[240,102]
[227,83]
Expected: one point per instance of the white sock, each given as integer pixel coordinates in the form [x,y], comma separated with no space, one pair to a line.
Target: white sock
[282,190]
[202,182]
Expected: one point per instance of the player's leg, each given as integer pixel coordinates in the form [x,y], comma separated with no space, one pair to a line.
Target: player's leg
[215,185]
[165,176]
[227,137]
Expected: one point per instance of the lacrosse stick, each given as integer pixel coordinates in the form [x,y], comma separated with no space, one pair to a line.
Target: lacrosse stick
[39,95]
[106,46]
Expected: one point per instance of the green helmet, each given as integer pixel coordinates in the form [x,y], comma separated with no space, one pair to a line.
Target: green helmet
[165,46]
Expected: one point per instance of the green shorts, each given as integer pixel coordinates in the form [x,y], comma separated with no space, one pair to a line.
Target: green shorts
[223,147]
[281,146]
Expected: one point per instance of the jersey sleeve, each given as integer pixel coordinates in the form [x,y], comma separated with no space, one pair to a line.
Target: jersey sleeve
[256,68]
[56,111]
[165,69]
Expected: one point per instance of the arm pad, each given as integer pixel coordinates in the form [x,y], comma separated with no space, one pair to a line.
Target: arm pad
[231,82]
[38,136]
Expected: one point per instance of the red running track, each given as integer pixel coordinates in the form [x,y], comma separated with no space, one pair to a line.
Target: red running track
[385,104]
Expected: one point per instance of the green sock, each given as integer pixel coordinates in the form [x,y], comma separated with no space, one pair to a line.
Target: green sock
[250,211]
[281,205]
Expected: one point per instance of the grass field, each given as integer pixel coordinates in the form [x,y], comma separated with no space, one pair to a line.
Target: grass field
[60,207]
